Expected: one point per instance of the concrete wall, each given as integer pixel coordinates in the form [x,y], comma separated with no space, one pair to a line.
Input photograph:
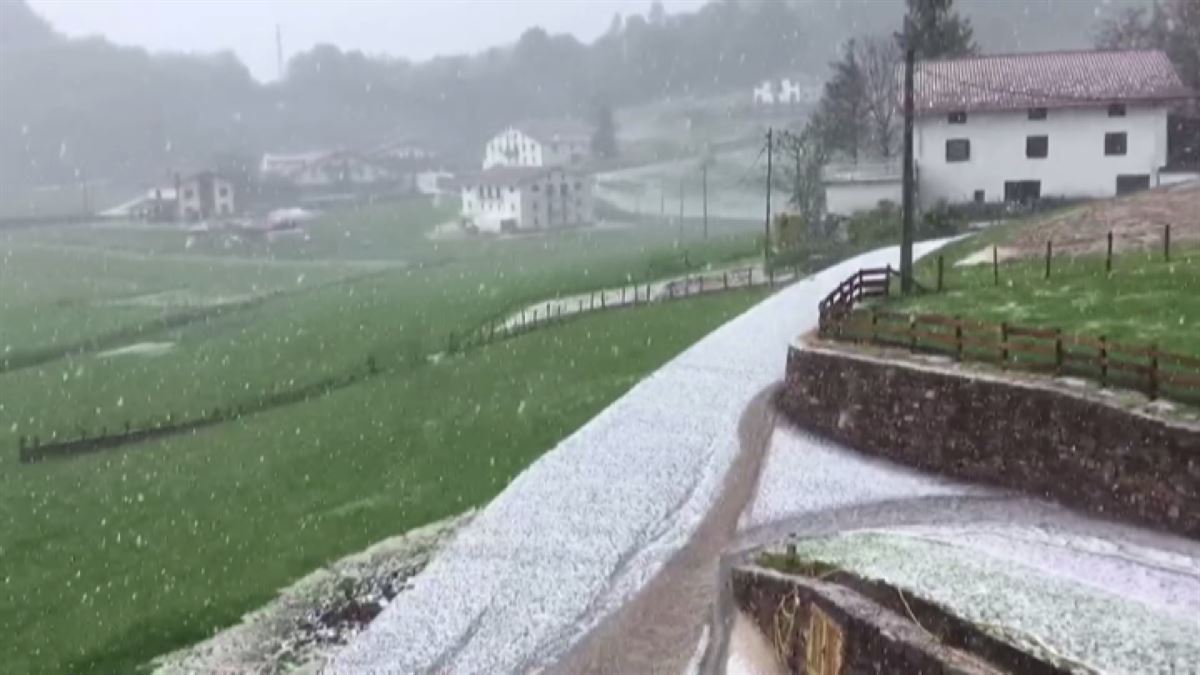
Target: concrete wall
[1075,166]
[1070,448]
[844,199]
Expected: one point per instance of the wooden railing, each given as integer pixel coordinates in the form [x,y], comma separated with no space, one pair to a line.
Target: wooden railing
[1146,368]
[870,282]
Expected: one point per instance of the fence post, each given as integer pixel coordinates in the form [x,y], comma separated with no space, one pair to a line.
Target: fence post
[941,268]
[912,332]
[1103,361]
[725,280]
[874,326]
[647,291]
[958,343]
[602,300]
[1153,371]
[1167,242]
[771,277]
[995,265]
[1049,254]
[1108,258]
[1004,343]
[887,280]
[623,288]
[1058,351]
[796,272]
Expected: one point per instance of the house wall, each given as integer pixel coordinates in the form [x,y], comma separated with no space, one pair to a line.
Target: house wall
[512,148]
[1076,165]
[544,205]
[223,197]
[844,199]
[488,206]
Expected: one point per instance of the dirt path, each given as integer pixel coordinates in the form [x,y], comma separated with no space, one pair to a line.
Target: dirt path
[658,630]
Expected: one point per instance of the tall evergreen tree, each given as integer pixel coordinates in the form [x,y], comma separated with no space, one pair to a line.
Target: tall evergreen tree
[604,137]
[935,30]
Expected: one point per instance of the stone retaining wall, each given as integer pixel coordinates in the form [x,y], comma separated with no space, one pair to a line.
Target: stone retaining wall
[1070,448]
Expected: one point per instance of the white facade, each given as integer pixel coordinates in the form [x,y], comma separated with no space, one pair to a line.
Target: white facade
[510,200]
[205,195]
[514,147]
[844,199]
[1075,165]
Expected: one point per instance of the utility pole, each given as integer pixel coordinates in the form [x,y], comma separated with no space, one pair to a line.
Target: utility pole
[767,223]
[704,173]
[681,208]
[662,201]
[279,50]
[906,234]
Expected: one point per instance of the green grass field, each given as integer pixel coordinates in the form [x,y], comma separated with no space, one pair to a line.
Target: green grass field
[1144,299]
[113,558]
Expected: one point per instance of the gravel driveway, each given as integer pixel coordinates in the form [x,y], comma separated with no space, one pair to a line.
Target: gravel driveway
[591,522]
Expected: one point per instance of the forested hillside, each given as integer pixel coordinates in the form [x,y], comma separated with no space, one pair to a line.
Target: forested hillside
[72,109]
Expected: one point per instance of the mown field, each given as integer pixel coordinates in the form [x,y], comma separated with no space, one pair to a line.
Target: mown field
[112,558]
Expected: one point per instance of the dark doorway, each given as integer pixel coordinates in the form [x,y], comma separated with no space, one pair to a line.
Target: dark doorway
[1132,183]
[1023,191]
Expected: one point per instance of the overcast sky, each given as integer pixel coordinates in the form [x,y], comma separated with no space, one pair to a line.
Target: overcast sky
[416,29]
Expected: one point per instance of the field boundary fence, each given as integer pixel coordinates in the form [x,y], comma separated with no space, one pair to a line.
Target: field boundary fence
[31,448]
[1142,367]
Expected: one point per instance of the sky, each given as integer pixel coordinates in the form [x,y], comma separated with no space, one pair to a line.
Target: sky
[414,29]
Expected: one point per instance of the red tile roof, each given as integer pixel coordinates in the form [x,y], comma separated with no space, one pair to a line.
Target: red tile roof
[1046,80]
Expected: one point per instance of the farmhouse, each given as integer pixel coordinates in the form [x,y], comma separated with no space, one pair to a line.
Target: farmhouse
[512,198]
[154,205]
[1023,126]
[204,195]
[1019,127]
[539,143]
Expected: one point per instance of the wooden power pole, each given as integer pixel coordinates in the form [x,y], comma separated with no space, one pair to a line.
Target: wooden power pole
[704,174]
[767,223]
[906,234]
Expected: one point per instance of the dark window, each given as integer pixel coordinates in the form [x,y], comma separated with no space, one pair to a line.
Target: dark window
[957,117]
[224,192]
[563,190]
[1023,191]
[1115,143]
[1037,147]
[1037,113]
[535,187]
[188,193]
[958,150]
[979,196]
[1116,110]
[1132,183]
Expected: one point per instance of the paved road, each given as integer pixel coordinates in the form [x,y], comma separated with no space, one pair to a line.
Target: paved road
[588,525]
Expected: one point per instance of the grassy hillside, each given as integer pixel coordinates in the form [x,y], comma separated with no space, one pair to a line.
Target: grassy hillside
[115,557]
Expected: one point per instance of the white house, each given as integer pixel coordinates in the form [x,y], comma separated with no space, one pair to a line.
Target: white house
[539,143]
[785,92]
[508,199]
[1022,126]
[1018,127]
[204,195]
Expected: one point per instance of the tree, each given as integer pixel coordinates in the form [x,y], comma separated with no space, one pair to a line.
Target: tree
[935,30]
[843,106]
[805,155]
[604,137]
[880,58]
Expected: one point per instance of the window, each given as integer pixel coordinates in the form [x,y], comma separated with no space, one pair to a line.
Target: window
[957,117]
[1116,110]
[1037,147]
[979,196]
[563,190]
[958,150]
[1023,191]
[1115,143]
[189,193]
[224,191]
[535,187]
[1132,183]
[1037,113]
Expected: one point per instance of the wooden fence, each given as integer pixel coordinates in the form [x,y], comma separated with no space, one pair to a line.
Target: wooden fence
[59,445]
[1146,368]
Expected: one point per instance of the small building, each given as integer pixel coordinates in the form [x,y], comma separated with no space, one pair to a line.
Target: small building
[342,169]
[1018,127]
[204,195]
[539,143]
[850,188]
[156,205]
[516,198]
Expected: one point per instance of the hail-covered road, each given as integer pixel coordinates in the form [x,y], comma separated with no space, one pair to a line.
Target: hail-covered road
[590,523]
